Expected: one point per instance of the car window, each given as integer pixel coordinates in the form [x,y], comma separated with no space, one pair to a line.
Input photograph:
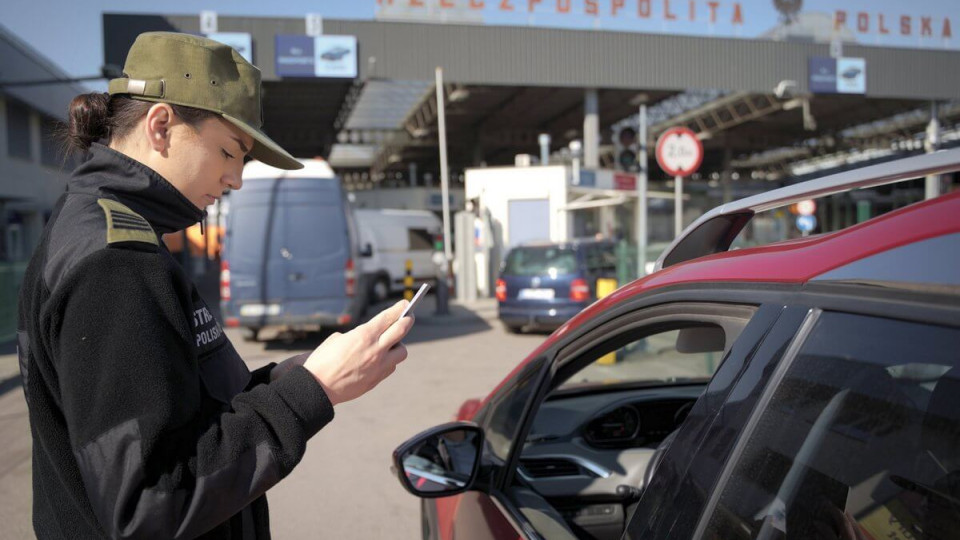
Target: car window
[679,490]
[601,259]
[420,240]
[657,358]
[541,261]
[506,410]
[861,439]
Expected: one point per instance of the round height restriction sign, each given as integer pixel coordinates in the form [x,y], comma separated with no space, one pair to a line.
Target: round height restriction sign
[679,152]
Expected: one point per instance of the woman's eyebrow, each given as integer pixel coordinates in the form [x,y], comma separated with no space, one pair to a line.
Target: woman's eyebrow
[242,146]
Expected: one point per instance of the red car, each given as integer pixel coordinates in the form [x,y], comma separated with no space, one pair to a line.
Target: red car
[805,389]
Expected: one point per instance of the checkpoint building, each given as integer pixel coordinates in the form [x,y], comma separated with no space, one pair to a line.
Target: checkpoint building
[799,95]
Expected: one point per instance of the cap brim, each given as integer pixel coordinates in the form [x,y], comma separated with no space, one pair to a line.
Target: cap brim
[264,149]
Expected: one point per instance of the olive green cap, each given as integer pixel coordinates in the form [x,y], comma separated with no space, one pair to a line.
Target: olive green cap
[197,72]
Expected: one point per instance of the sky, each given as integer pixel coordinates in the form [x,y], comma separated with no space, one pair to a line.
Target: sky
[68,32]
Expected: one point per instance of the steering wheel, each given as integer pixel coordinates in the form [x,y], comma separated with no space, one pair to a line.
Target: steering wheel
[658,457]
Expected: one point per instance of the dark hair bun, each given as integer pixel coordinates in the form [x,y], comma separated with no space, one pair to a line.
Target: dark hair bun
[89,120]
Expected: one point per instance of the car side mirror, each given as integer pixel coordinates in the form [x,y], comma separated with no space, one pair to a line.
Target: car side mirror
[366,250]
[441,461]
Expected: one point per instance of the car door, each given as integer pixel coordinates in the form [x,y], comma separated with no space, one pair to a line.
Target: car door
[845,424]
[485,514]
[508,417]
[871,449]
[315,247]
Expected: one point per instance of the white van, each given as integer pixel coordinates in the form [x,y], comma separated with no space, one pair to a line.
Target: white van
[388,238]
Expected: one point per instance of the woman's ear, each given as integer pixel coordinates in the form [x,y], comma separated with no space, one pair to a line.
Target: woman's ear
[157,125]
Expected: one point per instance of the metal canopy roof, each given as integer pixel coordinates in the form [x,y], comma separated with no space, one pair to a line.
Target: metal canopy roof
[299,114]
[491,124]
[508,85]
[751,123]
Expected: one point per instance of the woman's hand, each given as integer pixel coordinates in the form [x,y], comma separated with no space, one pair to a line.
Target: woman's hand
[282,368]
[351,364]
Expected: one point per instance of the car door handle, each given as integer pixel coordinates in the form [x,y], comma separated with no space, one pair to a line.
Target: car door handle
[296,276]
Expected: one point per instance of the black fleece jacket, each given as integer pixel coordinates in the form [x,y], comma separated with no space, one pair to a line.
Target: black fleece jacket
[146,423]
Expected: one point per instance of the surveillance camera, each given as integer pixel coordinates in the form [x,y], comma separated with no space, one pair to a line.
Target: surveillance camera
[785,89]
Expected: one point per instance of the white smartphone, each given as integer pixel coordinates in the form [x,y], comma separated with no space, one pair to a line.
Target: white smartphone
[416,298]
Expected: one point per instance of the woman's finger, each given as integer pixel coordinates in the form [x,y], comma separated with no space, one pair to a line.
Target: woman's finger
[396,354]
[396,332]
[382,321]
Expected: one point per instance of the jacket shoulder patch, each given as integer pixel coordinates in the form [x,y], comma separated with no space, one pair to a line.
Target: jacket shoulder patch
[124,225]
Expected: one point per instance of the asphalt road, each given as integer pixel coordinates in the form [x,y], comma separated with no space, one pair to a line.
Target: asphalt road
[343,488]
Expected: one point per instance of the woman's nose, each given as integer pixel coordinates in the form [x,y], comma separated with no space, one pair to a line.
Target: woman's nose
[234,180]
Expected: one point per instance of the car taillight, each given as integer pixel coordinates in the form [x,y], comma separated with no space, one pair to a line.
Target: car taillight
[350,278]
[579,290]
[501,290]
[224,281]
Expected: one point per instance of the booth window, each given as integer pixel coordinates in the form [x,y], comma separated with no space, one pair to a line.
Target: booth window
[18,130]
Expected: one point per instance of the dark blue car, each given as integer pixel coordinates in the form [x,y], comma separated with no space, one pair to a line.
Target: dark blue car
[542,285]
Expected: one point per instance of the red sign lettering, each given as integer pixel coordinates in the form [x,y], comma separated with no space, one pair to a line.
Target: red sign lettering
[643,8]
[839,19]
[671,10]
[666,11]
[713,11]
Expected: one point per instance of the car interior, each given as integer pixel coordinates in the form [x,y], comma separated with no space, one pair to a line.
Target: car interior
[612,405]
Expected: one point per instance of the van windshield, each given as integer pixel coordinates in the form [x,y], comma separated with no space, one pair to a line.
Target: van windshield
[538,261]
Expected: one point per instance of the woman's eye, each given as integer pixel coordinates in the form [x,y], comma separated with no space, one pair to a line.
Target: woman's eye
[226,154]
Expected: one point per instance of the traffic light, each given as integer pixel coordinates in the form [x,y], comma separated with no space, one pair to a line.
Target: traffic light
[625,140]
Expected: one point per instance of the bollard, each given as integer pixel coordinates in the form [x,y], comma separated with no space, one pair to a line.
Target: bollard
[442,295]
[408,280]
[606,286]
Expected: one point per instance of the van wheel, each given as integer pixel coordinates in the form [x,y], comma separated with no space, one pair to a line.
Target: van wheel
[513,328]
[380,289]
[250,334]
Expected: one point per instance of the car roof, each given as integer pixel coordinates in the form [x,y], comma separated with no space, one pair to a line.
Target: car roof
[810,259]
[806,259]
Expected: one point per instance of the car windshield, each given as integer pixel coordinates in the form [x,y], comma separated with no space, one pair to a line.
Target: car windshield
[655,359]
[540,261]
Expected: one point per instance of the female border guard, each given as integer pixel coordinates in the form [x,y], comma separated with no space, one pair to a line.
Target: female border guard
[141,429]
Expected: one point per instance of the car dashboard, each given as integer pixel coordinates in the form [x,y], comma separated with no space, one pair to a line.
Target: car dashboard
[581,448]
